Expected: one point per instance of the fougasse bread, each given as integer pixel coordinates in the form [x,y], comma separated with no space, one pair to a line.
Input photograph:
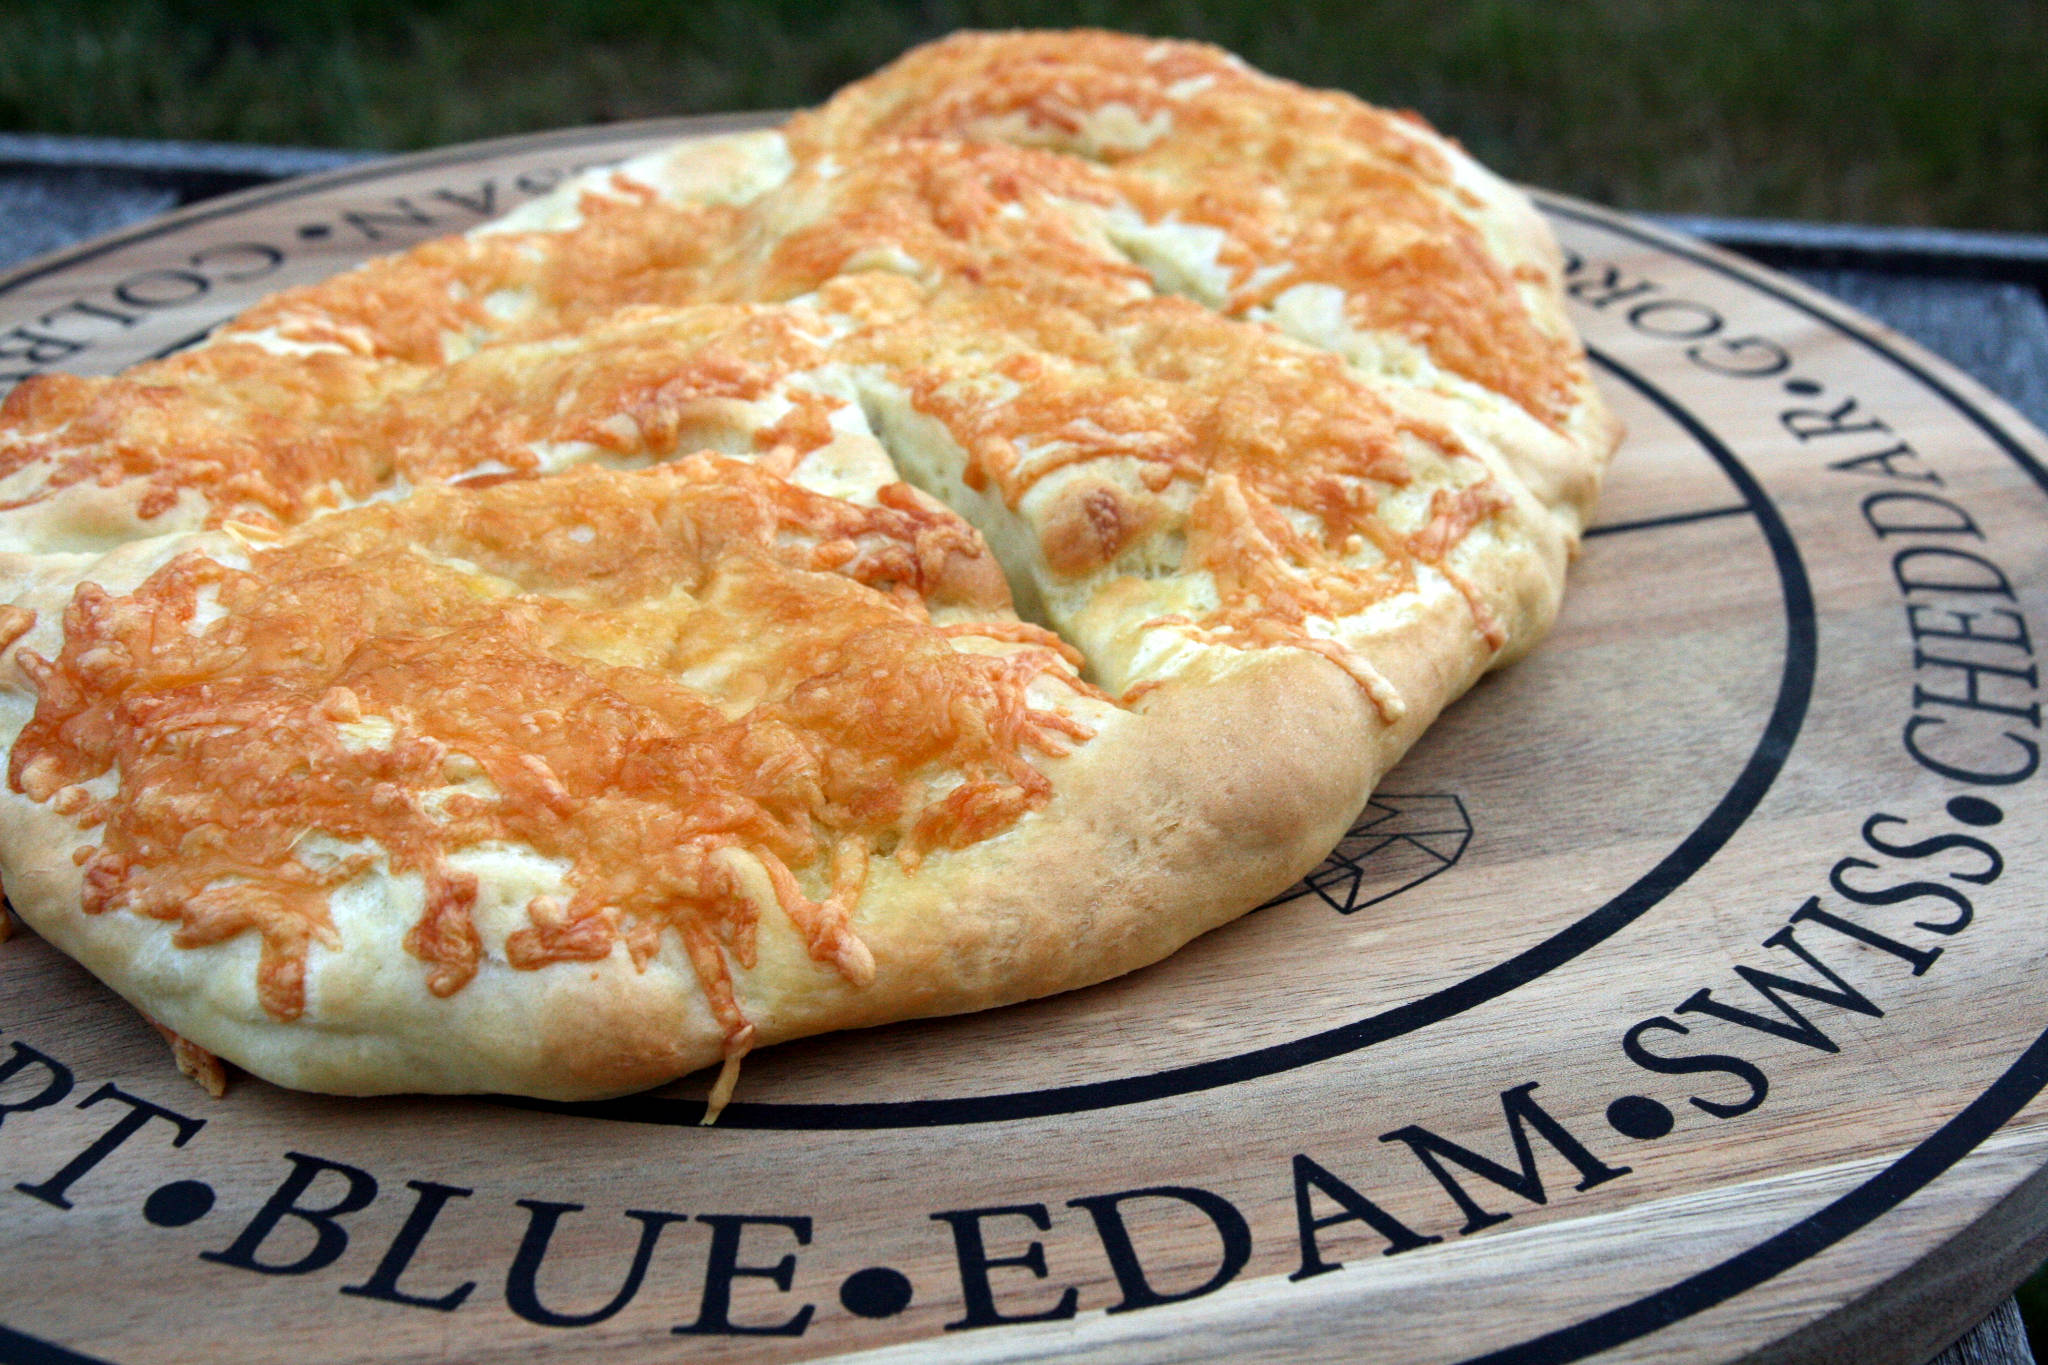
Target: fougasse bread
[955,548]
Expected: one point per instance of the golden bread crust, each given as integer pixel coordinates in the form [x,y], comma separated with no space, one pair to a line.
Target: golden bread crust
[546,661]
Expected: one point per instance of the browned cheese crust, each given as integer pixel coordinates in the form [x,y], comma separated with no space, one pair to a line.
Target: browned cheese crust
[951,550]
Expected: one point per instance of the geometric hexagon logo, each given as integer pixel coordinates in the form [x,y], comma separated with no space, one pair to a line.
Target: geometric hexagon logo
[1399,842]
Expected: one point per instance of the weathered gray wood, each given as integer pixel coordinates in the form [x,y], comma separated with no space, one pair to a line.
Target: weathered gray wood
[1996,333]
[49,208]
[2000,1339]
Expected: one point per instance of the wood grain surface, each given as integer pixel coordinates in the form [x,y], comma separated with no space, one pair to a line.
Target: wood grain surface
[1680,998]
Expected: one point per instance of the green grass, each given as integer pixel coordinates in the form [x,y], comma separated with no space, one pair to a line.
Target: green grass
[1896,111]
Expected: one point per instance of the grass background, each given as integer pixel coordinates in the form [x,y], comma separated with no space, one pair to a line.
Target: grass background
[1891,111]
[1881,111]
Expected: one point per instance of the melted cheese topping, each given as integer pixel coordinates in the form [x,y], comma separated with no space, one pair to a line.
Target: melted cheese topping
[216,420]
[1291,185]
[273,439]
[1230,427]
[729,665]
[1142,312]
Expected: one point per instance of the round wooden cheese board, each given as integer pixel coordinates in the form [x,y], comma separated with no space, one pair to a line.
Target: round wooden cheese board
[1683,996]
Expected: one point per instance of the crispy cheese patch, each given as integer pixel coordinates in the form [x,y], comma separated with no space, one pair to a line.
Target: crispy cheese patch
[1284,186]
[640,675]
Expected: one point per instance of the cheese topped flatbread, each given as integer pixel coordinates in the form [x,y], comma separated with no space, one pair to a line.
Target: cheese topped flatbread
[952,549]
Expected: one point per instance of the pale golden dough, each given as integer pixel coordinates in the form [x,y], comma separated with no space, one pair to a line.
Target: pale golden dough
[1262,399]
